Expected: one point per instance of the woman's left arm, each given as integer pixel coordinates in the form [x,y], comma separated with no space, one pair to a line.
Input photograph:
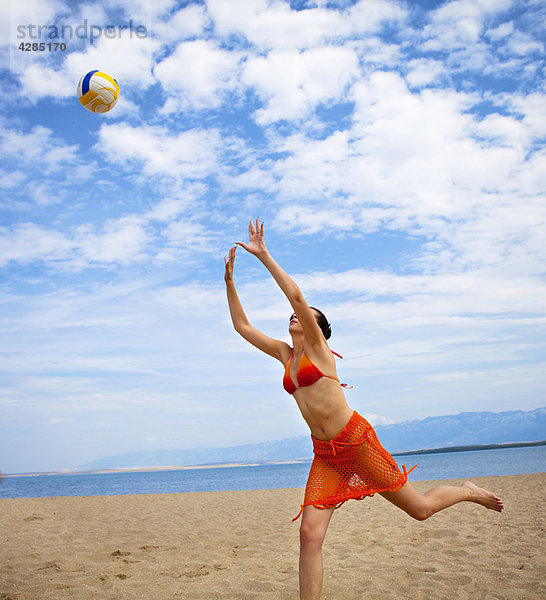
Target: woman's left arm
[306,318]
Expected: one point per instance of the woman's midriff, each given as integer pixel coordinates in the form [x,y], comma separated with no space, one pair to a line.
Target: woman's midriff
[324,408]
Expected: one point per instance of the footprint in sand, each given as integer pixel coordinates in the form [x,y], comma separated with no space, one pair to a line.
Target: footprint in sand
[120,553]
[148,548]
[50,566]
[201,572]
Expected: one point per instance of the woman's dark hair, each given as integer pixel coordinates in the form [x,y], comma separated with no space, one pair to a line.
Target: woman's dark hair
[323,323]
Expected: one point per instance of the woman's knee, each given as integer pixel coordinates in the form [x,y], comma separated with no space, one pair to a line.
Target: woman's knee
[421,511]
[420,515]
[311,535]
[412,503]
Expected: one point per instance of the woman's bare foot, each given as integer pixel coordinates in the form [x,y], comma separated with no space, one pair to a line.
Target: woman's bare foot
[483,497]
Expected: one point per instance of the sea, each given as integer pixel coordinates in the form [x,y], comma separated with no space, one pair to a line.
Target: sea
[449,465]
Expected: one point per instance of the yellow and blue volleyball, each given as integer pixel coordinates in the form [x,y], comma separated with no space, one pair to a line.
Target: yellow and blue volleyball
[98,92]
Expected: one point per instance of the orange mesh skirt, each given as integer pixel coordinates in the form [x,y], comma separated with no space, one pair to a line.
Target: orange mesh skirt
[352,466]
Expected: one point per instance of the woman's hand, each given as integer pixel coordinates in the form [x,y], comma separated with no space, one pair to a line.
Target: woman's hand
[256,244]
[229,260]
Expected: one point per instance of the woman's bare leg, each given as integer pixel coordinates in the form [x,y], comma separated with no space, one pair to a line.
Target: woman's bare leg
[314,525]
[423,506]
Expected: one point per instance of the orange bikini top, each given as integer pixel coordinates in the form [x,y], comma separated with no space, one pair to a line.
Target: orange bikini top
[307,374]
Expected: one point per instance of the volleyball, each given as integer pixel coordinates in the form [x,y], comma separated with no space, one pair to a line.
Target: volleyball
[98,92]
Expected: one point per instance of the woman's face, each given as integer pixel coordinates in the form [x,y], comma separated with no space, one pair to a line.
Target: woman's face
[294,324]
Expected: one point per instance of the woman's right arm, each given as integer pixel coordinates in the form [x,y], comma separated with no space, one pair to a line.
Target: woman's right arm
[276,348]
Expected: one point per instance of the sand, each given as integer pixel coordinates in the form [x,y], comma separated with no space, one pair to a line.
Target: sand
[243,545]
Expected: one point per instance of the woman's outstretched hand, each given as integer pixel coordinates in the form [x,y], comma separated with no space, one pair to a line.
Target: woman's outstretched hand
[230,261]
[256,244]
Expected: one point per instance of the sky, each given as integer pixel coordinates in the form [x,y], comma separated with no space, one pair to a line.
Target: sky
[395,151]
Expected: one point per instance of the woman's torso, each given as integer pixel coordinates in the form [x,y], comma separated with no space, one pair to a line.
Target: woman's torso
[322,404]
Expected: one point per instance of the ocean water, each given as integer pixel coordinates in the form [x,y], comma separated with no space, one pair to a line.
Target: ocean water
[451,465]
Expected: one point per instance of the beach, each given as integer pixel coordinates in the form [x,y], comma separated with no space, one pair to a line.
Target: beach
[243,545]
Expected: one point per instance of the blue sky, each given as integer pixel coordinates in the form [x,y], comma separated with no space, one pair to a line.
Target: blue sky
[395,151]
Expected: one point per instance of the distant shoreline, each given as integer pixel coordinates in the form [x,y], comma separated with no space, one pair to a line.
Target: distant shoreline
[144,468]
[471,448]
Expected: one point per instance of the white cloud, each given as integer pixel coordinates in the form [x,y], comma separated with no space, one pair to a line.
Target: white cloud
[32,12]
[188,154]
[274,25]
[367,16]
[143,10]
[291,84]
[530,108]
[38,147]
[421,163]
[167,232]
[59,83]
[187,238]
[404,145]
[183,198]
[502,31]
[121,241]
[189,21]
[506,129]
[377,419]
[403,297]
[310,220]
[197,75]
[522,44]
[531,180]
[375,53]
[29,242]
[93,13]
[391,154]
[231,16]
[423,71]
[462,32]
[11,179]
[312,169]
[459,24]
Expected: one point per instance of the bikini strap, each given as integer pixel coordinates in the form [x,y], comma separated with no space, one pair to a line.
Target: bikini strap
[338,355]
[349,387]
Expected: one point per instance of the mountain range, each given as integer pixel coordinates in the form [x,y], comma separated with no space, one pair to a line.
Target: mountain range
[464,429]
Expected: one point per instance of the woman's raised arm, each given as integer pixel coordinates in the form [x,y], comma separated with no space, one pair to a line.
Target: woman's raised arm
[306,317]
[276,348]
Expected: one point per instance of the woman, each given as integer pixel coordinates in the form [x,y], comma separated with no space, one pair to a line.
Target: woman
[349,461]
